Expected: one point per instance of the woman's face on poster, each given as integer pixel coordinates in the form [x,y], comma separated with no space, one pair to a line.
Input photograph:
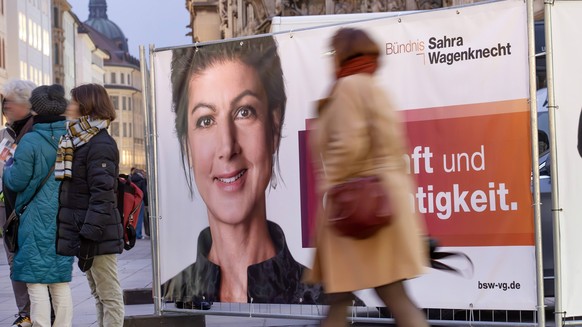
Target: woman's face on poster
[230,143]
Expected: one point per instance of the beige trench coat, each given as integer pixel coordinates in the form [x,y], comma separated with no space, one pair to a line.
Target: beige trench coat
[358,134]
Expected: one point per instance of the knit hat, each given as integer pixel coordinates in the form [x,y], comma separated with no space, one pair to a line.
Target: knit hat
[48,100]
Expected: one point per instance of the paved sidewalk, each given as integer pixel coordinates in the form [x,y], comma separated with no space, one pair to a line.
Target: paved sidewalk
[134,272]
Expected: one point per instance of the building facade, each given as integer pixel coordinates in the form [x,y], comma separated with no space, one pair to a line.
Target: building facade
[122,79]
[3,52]
[221,19]
[29,41]
[59,8]
[76,57]
[70,27]
[90,60]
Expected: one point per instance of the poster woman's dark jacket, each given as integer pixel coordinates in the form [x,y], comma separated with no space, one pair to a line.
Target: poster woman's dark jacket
[88,203]
[277,280]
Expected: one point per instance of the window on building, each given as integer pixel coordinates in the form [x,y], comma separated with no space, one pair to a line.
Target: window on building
[115,100]
[23,70]
[124,99]
[46,44]
[128,79]
[1,7]
[113,78]
[34,43]
[29,39]
[122,77]
[129,104]
[56,54]
[39,40]
[22,26]
[130,130]
[124,129]
[115,129]
[56,17]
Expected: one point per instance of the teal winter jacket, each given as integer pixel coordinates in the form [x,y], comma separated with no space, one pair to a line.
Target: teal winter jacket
[36,260]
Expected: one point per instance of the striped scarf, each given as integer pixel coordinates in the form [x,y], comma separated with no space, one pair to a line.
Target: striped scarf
[79,132]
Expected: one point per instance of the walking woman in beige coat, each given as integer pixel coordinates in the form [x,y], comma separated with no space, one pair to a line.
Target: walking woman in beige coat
[358,134]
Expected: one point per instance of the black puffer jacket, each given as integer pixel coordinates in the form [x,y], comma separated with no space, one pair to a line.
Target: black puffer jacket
[88,202]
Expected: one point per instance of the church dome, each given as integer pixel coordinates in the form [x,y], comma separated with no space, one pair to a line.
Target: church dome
[98,20]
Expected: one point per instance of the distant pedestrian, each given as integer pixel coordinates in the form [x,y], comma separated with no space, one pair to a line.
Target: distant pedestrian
[138,177]
[16,111]
[36,261]
[90,225]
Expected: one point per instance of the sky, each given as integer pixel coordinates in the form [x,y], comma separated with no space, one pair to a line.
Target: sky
[144,22]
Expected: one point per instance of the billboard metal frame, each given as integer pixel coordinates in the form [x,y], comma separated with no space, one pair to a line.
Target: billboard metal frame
[315,313]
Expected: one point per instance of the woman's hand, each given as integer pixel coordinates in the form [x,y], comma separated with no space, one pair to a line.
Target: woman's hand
[86,254]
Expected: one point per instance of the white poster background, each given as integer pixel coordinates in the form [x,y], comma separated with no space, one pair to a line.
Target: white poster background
[413,85]
[567,50]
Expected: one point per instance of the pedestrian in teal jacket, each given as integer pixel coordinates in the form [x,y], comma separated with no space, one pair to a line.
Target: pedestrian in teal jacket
[36,261]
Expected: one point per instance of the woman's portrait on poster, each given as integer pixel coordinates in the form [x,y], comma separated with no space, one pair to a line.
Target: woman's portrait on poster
[229,100]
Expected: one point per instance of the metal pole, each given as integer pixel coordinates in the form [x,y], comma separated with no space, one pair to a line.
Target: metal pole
[554,163]
[151,157]
[535,164]
[153,162]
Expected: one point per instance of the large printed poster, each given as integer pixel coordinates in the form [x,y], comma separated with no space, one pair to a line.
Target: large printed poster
[235,180]
[567,46]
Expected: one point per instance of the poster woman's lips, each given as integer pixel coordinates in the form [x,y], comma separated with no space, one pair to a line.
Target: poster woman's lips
[232,177]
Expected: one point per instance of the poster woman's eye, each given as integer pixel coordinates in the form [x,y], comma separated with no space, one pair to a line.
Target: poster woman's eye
[204,122]
[245,113]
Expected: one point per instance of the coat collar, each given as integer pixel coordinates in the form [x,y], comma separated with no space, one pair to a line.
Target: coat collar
[276,280]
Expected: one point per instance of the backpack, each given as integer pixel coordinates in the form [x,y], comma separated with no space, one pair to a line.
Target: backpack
[129,199]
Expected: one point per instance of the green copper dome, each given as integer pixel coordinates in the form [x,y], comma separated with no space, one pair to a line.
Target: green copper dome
[98,20]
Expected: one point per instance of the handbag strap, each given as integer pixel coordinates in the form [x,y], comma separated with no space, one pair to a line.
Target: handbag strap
[38,189]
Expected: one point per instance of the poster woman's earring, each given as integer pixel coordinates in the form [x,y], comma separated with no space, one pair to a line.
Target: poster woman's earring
[273,179]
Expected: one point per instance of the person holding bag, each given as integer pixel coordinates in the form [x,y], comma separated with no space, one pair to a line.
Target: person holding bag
[90,226]
[36,261]
[16,111]
[358,135]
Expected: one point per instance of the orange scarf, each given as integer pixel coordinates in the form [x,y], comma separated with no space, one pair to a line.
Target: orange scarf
[360,64]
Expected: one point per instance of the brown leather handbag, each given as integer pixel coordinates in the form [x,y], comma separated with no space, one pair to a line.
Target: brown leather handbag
[359,207]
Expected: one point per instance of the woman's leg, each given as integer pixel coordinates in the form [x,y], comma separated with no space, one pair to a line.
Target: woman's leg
[139,226]
[63,304]
[98,304]
[337,314]
[40,305]
[106,289]
[19,288]
[405,312]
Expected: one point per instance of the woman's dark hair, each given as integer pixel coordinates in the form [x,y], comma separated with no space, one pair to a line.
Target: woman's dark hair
[349,43]
[93,101]
[258,53]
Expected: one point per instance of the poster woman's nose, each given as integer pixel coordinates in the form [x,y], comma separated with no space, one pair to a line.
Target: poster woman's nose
[228,142]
